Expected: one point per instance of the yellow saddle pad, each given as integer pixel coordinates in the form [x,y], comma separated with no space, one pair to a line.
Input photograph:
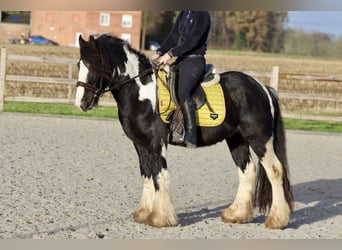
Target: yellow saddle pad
[204,117]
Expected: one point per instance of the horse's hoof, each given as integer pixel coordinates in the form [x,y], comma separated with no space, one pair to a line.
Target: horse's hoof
[155,220]
[230,215]
[141,216]
[274,222]
[278,218]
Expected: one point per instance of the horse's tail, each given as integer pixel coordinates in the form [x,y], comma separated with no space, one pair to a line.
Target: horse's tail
[264,188]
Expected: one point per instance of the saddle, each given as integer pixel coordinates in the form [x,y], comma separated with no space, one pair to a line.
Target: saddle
[209,99]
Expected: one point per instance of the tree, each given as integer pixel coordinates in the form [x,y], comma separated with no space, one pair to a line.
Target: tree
[258,30]
[246,30]
[221,32]
[158,24]
[299,42]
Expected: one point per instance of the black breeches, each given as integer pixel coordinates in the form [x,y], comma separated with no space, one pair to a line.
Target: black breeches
[191,70]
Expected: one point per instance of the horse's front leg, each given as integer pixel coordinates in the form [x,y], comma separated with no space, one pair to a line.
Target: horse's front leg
[155,208]
[144,210]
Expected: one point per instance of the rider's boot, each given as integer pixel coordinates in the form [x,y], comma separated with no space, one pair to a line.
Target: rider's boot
[189,108]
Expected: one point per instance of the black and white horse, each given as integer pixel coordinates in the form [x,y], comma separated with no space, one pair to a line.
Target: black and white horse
[253,122]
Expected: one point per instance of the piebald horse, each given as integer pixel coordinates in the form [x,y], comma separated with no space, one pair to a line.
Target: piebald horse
[254,123]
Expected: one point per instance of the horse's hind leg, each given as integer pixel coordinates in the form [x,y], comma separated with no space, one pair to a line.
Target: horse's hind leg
[241,210]
[280,210]
[155,208]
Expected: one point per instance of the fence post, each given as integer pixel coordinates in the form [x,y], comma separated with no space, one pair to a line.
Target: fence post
[2,77]
[274,77]
[69,85]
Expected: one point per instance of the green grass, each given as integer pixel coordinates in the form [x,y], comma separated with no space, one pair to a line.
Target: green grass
[310,125]
[110,112]
[58,109]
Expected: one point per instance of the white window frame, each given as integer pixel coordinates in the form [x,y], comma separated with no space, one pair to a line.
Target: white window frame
[127,21]
[104,19]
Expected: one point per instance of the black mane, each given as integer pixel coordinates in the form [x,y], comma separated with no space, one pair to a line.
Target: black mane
[105,53]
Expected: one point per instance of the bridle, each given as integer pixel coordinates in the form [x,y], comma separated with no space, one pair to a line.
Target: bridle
[98,92]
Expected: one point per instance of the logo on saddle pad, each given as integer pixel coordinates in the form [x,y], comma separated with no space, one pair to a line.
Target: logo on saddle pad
[212,113]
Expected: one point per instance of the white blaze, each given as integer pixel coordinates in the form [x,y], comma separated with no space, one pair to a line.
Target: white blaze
[82,77]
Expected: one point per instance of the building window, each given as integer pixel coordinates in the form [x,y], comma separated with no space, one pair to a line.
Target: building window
[104,19]
[126,21]
[126,37]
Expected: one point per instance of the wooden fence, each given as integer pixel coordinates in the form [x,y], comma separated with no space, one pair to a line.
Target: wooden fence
[22,79]
[273,75]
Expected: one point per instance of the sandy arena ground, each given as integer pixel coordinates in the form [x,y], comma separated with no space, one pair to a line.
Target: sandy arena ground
[79,178]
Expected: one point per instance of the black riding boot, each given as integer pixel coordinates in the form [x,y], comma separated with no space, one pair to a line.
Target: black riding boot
[189,108]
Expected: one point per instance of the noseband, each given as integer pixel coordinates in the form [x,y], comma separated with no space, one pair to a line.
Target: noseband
[97,92]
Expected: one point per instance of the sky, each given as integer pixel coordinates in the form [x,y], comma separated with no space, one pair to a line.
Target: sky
[329,22]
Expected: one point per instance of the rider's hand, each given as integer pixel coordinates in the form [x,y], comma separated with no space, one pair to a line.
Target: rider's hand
[164,58]
[155,56]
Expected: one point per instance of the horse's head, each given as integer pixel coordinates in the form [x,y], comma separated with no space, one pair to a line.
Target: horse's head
[106,64]
[94,74]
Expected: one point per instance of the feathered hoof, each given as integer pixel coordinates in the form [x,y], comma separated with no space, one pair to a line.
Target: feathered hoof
[274,222]
[230,215]
[141,216]
[158,220]
[278,218]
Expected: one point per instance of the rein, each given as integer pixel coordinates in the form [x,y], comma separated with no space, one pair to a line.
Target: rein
[101,92]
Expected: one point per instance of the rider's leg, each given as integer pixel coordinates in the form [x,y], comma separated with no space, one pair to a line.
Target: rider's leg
[191,70]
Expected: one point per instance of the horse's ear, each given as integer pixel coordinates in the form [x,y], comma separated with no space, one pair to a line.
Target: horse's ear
[92,42]
[81,41]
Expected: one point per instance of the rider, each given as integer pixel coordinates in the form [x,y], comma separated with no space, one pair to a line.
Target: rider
[187,41]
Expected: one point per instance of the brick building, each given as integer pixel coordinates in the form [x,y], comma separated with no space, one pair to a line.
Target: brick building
[64,27]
